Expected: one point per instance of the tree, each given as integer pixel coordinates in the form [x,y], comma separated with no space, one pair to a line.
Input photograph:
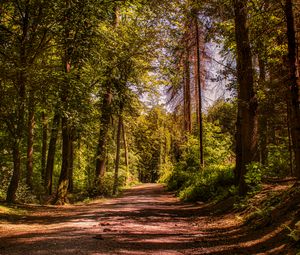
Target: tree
[77,30]
[246,138]
[293,81]
[25,32]
[117,162]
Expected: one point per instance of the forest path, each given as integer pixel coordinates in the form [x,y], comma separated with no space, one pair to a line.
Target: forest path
[145,220]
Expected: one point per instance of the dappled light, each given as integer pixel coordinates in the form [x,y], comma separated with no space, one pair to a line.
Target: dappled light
[145,220]
[150,127]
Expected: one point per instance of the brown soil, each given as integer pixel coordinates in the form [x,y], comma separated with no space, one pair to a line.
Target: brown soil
[145,220]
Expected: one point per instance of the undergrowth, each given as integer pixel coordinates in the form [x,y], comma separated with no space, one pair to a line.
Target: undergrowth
[212,182]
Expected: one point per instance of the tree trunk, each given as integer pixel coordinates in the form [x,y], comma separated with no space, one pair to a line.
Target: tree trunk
[20,111]
[198,75]
[30,137]
[263,118]
[125,152]
[103,136]
[63,183]
[247,102]
[104,123]
[18,137]
[71,183]
[187,92]
[291,155]
[51,154]
[44,145]
[196,93]
[294,83]
[116,176]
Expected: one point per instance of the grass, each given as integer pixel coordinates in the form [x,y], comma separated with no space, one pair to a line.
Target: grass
[10,212]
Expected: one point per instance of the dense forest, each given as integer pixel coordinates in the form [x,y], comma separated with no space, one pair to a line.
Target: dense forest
[98,95]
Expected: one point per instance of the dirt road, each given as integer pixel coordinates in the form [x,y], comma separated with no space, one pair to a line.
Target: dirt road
[145,220]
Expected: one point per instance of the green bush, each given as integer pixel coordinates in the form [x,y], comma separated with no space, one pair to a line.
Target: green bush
[177,179]
[104,187]
[193,183]
[278,161]
[212,182]
[24,194]
[253,177]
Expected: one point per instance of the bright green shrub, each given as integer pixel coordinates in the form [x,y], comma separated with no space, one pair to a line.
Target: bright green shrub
[278,161]
[254,175]
[218,145]
[177,179]
[214,181]
[24,194]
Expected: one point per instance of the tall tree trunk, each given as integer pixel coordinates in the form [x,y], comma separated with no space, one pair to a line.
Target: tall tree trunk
[103,136]
[44,144]
[187,91]
[196,92]
[125,152]
[51,153]
[20,111]
[13,185]
[263,118]
[17,142]
[117,162]
[63,183]
[291,155]
[71,172]
[198,75]
[247,101]
[30,137]
[294,83]
[104,123]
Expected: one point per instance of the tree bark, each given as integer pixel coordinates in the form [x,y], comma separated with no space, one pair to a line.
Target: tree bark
[263,119]
[71,172]
[196,93]
[63,183]
[198,75]
[17,141]
[103,136]
[187,92]
[294,83]
[20,111]
[104,122]
[117,162]
[247,101]
[44,145]
[51,153]
[125,152]
[13,186]
[291,155]
[30,138]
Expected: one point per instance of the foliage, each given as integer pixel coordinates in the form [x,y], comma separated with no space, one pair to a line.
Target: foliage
[223,114]
[295,232]
[253,177]
[193,183]
[25,194]
[134,50]
[213,182]
[278,163]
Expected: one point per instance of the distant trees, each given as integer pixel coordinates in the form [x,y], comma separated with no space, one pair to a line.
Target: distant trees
[189,57]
